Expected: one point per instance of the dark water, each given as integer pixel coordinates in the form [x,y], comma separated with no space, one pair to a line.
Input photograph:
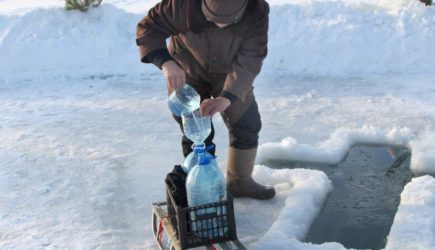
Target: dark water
[360,209]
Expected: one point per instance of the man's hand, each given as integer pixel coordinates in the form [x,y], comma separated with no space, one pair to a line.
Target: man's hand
[175,76]
[211,106]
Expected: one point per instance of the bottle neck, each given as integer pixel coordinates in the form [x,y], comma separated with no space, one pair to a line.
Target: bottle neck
[201,148]
[198,147]
[203,157]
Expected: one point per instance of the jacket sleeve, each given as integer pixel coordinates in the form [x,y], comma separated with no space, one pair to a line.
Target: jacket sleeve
[163,20]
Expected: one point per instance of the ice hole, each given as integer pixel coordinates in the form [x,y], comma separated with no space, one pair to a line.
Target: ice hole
[360,209]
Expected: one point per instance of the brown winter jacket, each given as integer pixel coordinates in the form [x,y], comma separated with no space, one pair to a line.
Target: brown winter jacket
[228,58]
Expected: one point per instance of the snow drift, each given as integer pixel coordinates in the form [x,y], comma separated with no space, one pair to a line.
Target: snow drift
[59,42]
[319,37]
[333,150]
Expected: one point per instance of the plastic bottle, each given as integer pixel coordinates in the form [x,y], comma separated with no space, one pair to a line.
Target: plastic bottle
[184,99]
[196,127]
[205,183]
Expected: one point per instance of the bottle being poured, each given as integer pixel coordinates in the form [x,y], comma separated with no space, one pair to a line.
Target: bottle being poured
[205,183]
[185,102]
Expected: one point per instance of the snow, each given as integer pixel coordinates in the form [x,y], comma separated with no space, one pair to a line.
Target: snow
[342,38]
[413,224]
[306,192]
[322,38]
[86,139]
[105,38]
[333,150]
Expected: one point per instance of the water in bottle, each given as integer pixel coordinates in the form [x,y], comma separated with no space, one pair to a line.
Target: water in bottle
[183,100]
[206,184]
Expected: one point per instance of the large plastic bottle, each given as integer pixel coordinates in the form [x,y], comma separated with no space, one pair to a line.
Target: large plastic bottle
[183,100]
[205,183]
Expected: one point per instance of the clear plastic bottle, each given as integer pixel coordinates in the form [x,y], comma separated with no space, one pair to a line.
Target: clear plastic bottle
[205,183]
[196,127]
[184,99]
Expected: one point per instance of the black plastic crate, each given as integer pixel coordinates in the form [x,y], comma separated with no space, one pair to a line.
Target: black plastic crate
[202,225]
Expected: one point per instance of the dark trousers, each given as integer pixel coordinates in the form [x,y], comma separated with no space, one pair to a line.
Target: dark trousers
[243,128]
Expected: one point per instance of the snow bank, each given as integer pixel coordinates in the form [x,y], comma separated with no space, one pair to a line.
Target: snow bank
[59,42]
[413,224]
[315,37]
[339,38]
[423,154]
[303,191]
[333,150]
[22,7]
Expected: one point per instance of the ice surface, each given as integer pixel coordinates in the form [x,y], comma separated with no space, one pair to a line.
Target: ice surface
[85,131]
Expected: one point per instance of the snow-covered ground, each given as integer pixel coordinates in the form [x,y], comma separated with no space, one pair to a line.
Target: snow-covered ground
[86,139]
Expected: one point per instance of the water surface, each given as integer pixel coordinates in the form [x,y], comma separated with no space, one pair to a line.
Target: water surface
[360,209]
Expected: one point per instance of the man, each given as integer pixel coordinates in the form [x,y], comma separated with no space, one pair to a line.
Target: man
[217,47]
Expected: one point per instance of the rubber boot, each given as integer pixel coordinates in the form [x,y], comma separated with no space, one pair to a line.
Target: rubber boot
[239,181]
